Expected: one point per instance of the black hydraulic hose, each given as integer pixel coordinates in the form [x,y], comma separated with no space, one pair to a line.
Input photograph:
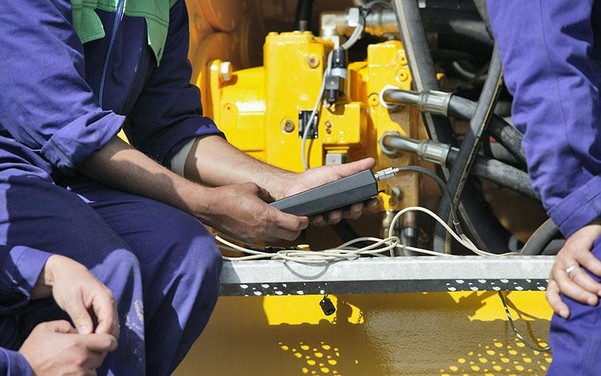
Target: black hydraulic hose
[483,225]
[304,12]
[490,169]
[471,143]
[483,12]
[499,173]
[540,239]
[505,133]
[462,109]
[457,23]
[497,151]
[421,64]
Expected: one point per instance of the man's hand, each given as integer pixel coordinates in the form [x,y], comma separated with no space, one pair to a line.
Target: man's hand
[242,211]
[79,293]
[567,274]
[55,348]
[321,175]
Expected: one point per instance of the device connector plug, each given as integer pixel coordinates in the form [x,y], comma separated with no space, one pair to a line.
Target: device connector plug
[386,173]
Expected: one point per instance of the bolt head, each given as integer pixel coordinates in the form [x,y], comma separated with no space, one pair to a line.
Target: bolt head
[226,71]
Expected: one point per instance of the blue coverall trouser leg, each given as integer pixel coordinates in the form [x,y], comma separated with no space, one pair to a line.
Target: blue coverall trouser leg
[161,264]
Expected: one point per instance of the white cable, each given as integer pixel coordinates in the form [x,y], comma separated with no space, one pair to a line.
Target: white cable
[355,36]
[347,252]
[463,240]
[313,115]
[342,252]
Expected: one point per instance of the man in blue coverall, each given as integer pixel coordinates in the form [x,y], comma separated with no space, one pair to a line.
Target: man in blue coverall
[74,73]
[551,65]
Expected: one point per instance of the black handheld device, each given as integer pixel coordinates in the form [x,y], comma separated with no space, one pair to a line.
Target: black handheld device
[333,195]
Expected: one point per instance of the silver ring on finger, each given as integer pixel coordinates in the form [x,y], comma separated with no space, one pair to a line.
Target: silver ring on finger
[571,268]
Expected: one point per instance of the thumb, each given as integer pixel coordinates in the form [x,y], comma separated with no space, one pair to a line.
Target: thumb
[264,194]
[346,169]
[81,317]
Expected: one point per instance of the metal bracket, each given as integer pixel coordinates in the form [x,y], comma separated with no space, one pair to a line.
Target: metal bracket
[387,275]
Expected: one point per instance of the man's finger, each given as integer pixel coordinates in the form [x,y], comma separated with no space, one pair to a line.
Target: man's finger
[100,343]
[582,279]
[80,316]
[573,290]
[318,220]
[372,204]
[334,217]
[590,262]
[354,211]
[105,310]
[554,299]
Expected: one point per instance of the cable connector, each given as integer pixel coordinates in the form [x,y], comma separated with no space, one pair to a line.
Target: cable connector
[386,173]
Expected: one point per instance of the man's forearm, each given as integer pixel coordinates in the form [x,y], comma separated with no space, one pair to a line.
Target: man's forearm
[121,166]
[215,162]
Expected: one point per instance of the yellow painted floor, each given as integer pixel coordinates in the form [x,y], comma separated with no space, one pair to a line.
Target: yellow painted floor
[461,333]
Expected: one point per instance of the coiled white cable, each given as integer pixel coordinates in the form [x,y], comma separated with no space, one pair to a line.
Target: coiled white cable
[346,251]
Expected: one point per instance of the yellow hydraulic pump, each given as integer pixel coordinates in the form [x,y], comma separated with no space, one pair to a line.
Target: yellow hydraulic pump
[262,109]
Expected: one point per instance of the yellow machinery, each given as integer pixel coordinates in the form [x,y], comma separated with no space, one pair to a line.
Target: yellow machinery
[262,109]
[259,108]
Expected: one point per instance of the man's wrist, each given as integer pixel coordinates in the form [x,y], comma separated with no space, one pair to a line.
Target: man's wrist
[43,286]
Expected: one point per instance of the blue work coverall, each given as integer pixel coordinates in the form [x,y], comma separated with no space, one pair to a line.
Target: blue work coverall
[160,263]
[550,59]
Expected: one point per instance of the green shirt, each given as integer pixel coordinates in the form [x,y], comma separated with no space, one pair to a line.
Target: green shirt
[88,26]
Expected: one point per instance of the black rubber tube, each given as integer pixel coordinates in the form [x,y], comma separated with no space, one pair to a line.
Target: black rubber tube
[490,169]
[501,130]
[470,145]
[497,151]
[456,23]
[483,12]
[475,212]
[540,239]
[463,109]
[421,64]
[499,173]
[304,12]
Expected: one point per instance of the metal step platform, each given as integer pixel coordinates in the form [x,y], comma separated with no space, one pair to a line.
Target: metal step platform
[386,275]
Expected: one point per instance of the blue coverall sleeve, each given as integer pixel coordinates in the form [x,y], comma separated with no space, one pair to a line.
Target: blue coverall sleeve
[168,111]
[20,268]
[13,363]
[545,47]
[45,102]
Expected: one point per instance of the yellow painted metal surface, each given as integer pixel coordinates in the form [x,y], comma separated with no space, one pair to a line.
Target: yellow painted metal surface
[258,108]
[461,333]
